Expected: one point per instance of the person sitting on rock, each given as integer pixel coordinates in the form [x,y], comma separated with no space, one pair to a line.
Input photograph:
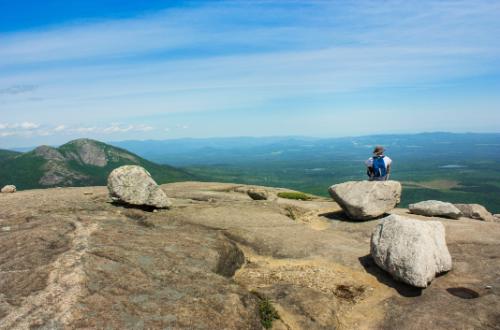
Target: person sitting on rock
[379,166]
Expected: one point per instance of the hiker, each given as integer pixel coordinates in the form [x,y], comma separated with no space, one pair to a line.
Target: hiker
[379,166]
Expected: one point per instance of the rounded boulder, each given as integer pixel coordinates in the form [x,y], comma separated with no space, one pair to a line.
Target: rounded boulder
[364,200]
[133,185]
[412,251]
[432,208]
[9,189]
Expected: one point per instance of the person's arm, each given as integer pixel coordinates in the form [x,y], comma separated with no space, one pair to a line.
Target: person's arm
[388,172]
[369,167]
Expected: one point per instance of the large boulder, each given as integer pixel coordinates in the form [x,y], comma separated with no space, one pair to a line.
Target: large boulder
[412,251]
[475,211]
[133,185]
[9,189]
[434,208]
[363,200]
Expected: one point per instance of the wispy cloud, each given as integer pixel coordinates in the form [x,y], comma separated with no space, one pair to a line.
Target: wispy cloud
[34,129]
[118,128]
[24,126]
[17,89]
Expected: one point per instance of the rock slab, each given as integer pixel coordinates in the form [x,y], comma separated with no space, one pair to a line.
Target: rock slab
[134,185]
[9,189]
[364,200]
[412,251]
[432,208]
[475,211]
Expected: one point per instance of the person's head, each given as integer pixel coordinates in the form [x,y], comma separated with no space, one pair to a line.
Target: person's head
[378,151]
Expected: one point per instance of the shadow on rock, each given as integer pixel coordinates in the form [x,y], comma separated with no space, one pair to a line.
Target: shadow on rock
[383,277]
[146,208]
[342,216]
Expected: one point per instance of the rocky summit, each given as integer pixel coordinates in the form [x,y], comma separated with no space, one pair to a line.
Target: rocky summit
[217,259]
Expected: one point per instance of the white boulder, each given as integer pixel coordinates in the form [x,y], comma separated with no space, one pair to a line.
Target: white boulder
[133,185]
[432,208]
[9,189]
[363,200]
[412,251]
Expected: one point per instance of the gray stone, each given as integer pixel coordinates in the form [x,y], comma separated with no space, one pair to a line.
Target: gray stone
[258,194]
[432,208]
[475,211]
[412,251]
[363,200]
[9,189]
[133,185]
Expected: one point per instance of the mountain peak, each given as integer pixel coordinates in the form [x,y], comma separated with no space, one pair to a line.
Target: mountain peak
[80,162]
[48,153]
[86,152]
[83,141]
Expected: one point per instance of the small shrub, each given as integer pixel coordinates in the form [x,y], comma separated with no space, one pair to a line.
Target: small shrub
[267,313]
[295,195]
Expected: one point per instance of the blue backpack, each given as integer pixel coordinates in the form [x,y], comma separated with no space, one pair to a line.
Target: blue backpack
[379,169]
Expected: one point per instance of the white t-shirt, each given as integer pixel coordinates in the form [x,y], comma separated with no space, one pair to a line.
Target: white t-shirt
[387,161]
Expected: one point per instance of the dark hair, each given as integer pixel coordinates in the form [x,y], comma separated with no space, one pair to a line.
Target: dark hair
[379,150]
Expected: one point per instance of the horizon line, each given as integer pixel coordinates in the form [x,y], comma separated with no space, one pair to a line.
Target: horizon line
[258,137]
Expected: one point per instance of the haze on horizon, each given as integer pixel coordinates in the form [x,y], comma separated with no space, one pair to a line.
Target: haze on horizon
[115,70]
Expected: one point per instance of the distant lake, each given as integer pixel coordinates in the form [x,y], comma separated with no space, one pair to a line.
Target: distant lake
[452,166]
[317,169]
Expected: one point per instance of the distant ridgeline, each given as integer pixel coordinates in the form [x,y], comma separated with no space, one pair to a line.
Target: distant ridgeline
[444,166]
[80,162]
[459,168]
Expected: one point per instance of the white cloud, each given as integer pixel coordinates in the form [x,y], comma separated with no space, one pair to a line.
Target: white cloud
[84,129]
[28,125]
[144,128]
[33,129]
[5,134]
[119,128]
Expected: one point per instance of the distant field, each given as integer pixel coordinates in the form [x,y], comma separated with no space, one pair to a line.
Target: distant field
[435,184]
[479,185]
[444,166]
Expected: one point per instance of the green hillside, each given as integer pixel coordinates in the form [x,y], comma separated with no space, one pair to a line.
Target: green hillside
[5,154]
[80,162]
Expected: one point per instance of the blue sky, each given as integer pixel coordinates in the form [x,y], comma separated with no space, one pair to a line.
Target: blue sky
[115,70]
